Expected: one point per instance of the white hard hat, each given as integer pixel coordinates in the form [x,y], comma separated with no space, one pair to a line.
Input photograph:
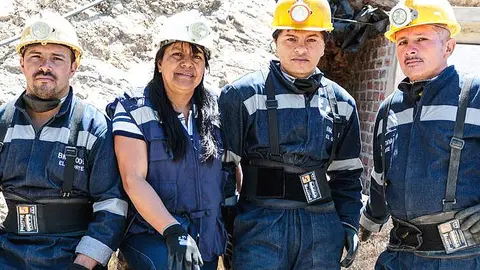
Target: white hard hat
[189,26]
[50,28]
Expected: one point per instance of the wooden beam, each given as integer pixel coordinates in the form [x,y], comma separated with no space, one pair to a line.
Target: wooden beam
[469,19]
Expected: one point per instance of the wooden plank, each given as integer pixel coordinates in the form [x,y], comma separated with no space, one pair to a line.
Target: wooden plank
[469,19]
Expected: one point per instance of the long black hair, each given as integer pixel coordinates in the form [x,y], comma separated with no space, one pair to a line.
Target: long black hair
[207,112]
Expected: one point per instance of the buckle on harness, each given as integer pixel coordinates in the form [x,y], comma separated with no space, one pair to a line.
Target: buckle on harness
[449,202]
[70,151]
[457,143]
[337,119]
[271,104]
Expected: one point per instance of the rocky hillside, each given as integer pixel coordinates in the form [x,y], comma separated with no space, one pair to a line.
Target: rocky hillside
[120,38]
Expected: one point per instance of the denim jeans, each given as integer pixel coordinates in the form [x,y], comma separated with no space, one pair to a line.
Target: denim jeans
[393,260]
[287,239]
[36,252]
[148,251]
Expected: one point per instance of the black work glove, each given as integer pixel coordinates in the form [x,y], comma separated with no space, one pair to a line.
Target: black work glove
[470,220]
[351,245]
[76,266]
[364,234]
[182,249]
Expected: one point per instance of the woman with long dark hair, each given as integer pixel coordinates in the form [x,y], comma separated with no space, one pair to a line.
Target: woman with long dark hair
[168,146]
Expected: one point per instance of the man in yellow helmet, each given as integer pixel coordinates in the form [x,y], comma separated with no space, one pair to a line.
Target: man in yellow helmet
[66,207]
[426,148]
[296,135]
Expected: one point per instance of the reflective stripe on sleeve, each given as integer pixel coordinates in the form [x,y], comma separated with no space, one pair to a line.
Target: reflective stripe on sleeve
[114,206]
[378,177]
[347,164]
[232,157]
[397,119]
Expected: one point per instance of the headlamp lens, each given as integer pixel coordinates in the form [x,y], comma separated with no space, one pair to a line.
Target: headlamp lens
[41,30]
[299,13]
[198,31]
[399,16]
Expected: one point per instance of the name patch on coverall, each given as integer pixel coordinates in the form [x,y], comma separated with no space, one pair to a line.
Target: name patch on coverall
[453,238]
[27,218]
[310,187]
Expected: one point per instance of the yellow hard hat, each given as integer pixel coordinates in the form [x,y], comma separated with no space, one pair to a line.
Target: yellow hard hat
[50,28]
[189,26]
[409,13]
[313,15]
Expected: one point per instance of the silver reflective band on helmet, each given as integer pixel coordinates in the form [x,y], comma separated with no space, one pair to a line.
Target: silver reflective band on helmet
[198,31]
[401,16]
[41,30]
[300,11]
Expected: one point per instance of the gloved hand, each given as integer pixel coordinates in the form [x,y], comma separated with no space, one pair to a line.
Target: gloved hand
[364,234]
[470,219]
[75,266]
[182,249]
[351,245]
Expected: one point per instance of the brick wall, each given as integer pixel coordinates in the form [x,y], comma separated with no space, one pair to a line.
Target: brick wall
[369,76]
[374,73]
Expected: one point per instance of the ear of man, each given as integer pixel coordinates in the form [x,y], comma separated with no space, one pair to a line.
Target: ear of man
[450,46]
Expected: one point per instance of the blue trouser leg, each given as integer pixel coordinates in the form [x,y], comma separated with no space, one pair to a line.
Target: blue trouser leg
[36,252]
[287,239]
[149,251]
[392,260]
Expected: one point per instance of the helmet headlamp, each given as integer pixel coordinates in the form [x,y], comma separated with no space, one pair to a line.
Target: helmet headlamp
[41,30]
[401,16]
[300,11]
[198,31]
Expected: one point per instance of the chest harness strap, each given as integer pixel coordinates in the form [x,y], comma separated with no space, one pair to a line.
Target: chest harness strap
[71,151]
[424,236]
[269,179]
[456,145]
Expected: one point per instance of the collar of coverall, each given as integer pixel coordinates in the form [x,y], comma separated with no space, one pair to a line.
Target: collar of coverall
[40,105]
[308,85]
[414,89]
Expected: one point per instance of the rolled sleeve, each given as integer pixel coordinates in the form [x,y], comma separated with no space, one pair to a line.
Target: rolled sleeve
[94,249]
[370,223]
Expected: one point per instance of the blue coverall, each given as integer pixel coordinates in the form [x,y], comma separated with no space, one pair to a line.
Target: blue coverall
[191,190]
[32,164]
[285,234]
[417,146]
